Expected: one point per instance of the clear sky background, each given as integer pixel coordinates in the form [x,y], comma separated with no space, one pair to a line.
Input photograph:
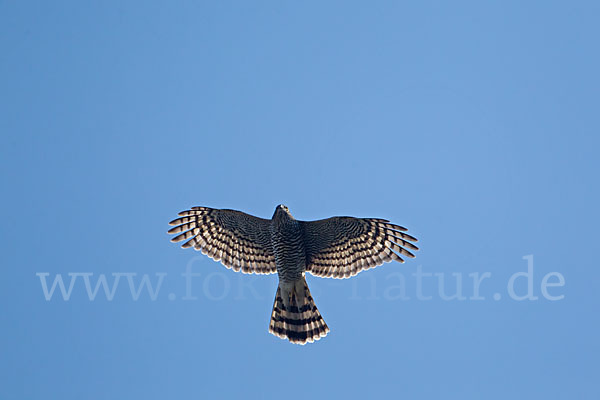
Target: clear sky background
[475,124]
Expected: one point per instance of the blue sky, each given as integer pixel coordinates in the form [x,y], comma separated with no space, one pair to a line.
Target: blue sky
[474,124]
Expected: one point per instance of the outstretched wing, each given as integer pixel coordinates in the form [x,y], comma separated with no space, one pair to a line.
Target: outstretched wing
[341,247]
[240,241]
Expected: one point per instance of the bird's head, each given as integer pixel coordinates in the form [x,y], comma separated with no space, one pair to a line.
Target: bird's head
[282,211]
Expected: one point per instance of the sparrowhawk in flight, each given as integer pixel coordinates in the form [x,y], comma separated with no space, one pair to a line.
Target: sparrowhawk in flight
[337,247]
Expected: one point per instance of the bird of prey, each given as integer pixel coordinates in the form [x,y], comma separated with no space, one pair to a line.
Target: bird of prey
[337,247]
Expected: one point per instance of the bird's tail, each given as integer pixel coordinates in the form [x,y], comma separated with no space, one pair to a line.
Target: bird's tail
[299,321]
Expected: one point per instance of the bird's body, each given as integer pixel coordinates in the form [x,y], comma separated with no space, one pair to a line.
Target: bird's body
[288,246]
[295,315]
[337,247]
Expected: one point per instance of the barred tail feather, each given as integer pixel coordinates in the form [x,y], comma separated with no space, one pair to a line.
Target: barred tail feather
[299,323]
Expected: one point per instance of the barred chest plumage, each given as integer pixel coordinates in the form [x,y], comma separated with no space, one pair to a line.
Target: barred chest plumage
[288,246]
